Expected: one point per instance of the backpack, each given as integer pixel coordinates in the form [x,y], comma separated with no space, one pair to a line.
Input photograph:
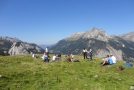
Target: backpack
[128,64]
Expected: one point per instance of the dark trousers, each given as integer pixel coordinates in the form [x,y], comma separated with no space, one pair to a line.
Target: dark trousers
[90,56]
[85,55]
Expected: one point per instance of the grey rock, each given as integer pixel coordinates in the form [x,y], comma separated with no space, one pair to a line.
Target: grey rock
[131,88]
[14,46]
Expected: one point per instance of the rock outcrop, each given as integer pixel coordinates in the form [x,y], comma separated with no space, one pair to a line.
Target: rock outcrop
[15,46]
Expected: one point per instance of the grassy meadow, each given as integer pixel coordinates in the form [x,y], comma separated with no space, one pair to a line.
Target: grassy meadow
[26,73]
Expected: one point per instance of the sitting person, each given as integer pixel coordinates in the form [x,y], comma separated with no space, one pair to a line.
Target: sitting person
[113,58]
[54,58]
[45,57]
[107,61]
[34,55]
[58,57]
[68,58]
[72,57]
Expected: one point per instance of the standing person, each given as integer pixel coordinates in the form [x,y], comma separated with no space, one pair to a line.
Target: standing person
[85,53]
[47,50]
[90,53]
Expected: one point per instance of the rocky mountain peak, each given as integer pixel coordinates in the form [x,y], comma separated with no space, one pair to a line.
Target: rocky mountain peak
[95,33]
[74,36]
[98,34]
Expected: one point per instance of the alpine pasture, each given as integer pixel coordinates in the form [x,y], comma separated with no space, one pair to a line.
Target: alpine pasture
[22,72]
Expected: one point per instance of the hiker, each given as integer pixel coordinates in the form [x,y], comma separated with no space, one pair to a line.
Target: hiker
[90,53]
[113,58]
[58,57]
[47,50]
[45,57]
[34,55]
[72,57]
[107,61]
[68,58]
[54,58]
[85,53]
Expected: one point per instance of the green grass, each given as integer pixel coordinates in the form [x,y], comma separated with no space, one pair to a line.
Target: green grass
[25,73]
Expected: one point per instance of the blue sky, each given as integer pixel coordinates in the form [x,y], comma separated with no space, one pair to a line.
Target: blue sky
[48,21]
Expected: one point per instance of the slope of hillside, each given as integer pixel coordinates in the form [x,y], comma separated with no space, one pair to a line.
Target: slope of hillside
[25,73]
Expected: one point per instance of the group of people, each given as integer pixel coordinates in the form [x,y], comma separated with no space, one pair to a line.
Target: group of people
[86,52]
[46,56]
[69,58]
[109,60]
[57,57]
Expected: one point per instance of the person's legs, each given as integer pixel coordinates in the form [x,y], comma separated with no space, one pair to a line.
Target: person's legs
[84,55]
[104,62]
[90,56]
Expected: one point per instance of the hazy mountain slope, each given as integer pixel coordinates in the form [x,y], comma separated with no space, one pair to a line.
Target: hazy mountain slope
[44,46]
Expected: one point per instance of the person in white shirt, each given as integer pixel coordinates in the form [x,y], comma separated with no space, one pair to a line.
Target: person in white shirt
[85,53]
[34,55]
[72,57]
[90,53]
[113,58]
[45,57]
[54,58]
[47,50]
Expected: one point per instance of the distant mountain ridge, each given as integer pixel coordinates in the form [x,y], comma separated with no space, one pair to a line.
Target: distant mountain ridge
[14,46]
[101,43]
[128,36]
[44,46]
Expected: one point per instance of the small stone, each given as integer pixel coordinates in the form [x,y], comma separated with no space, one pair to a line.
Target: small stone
[96,76]
[131,87]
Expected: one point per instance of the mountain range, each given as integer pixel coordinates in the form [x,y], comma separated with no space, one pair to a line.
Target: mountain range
[102,44]
[14,46]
